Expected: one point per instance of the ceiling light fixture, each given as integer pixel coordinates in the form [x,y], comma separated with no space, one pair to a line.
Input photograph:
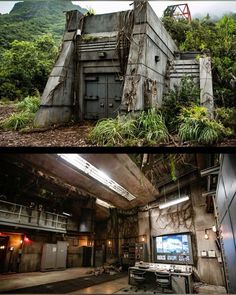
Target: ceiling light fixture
[174,202]
[103,203]
[97,174]
[206,236]
[67,214]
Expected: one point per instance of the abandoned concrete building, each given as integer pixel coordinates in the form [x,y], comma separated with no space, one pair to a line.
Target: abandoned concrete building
[117,223]
[116,63]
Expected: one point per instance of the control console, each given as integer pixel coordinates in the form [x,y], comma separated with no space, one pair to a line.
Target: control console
[165,267]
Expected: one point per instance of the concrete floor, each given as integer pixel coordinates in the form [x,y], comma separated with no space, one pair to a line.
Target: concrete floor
[23,280]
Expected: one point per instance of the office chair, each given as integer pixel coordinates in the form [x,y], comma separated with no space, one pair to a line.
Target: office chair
[163,280]
[138,276]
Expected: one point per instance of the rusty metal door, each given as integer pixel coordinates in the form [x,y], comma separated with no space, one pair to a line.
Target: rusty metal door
[61,254]
[102,96]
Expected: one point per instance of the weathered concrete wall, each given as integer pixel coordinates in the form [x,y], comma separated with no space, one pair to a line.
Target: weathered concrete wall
[151,48]
[106,34]
[30,258]
[191,217]
[202,221]
[206,95]
[58,97]
[74,257]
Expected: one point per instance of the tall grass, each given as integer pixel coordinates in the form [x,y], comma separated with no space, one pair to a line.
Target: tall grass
[30,103]
[17,121]
[113,131]
[148,128]
[24,115]
[152,127]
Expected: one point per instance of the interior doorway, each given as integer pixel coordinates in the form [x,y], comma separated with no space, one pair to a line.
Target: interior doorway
[3,252]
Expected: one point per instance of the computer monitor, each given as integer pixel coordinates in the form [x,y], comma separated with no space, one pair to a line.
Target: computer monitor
[173,248]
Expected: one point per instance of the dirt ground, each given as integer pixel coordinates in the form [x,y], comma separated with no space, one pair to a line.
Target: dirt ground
[63,136]
[71,135]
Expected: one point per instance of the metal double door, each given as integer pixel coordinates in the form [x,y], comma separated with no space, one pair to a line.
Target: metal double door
[102,96]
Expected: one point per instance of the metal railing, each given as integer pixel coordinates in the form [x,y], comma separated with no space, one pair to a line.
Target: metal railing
[11,213]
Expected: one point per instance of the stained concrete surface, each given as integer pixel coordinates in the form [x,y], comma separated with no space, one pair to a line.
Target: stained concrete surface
[23,280]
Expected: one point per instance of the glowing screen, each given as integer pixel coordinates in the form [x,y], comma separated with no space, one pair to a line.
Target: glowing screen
[172,244]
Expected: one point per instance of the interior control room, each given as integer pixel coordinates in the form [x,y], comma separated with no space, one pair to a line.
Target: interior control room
[117,223]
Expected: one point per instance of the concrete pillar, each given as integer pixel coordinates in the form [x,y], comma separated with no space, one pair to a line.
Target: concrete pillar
[206,95]
[58,97]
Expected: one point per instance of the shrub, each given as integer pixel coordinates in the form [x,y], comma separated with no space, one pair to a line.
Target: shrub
[30,104]
[226,115]
[195,125]
[184,94]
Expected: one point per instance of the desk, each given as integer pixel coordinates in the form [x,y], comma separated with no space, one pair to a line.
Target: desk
[181,281]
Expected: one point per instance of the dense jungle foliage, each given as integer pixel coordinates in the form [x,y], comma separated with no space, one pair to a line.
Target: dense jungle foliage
[214,38]
[29,38]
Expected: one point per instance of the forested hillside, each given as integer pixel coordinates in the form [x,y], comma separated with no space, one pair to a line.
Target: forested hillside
[29,38]
[30,19]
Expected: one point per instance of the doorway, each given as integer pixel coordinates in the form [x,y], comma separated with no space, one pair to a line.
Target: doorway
[3,252]
[102,97]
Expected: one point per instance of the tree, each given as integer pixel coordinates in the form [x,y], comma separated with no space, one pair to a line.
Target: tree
[26,66]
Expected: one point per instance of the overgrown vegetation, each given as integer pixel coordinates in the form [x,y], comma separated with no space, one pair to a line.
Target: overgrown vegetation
[152,128]
[181,117]
[147,129]
[29,38]
[25,67]
[217,38]
[88,38]
[90,11]
[227,116]
[24,115]
[184,94]
[195,125]
[113,131]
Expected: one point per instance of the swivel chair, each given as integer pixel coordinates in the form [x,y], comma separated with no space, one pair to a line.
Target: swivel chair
[163,280]
[138,276]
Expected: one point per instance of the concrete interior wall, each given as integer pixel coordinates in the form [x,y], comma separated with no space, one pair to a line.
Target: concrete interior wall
[74,258]
[26,256]
[226,206]
[190,217]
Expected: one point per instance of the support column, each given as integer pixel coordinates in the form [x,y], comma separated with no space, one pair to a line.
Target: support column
[206,95]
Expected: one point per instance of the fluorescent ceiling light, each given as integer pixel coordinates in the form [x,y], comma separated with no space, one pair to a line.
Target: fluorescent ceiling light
[67,214]
[103,203]
[173,202]
[97,174]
